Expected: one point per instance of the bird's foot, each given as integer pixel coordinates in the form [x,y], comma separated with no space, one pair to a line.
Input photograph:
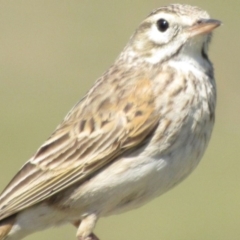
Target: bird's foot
[92,236]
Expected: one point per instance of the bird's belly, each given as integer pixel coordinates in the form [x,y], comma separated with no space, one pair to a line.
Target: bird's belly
[130,182]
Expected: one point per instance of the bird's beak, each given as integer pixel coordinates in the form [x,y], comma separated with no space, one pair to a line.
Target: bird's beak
[204,26]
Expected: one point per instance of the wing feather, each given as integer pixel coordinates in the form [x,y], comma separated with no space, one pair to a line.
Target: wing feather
[83,144]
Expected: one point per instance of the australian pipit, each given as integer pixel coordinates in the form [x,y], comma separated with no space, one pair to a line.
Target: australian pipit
[139,131]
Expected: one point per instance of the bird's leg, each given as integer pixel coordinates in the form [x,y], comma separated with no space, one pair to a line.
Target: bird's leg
[85,228]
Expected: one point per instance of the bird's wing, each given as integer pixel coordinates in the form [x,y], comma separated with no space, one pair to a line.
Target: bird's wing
[94,133]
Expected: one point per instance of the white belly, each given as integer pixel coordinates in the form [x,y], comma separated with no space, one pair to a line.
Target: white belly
[132,181]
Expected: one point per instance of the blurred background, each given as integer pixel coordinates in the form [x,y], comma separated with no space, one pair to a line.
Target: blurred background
[51,52]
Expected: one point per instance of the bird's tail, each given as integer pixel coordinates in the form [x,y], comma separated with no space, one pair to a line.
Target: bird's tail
[6,226]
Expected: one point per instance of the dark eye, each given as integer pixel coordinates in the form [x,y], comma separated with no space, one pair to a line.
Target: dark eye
[162,25]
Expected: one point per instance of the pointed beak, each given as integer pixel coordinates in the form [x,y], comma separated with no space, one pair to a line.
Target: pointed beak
[204,26]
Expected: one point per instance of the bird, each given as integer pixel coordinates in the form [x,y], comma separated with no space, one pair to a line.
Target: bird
[139,131]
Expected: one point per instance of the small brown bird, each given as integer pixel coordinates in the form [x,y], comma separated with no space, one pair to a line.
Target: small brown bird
[140,130]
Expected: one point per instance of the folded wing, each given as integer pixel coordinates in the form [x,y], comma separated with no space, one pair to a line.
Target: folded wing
[86,141]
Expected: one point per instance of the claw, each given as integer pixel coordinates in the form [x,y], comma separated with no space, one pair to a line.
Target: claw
[92,236]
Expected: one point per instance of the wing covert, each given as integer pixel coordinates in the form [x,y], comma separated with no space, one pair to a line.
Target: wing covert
[81,146]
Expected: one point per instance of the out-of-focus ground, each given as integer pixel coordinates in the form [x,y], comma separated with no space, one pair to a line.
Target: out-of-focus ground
[51,52]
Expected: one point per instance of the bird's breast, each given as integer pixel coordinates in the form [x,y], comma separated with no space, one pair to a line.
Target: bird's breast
[185,101]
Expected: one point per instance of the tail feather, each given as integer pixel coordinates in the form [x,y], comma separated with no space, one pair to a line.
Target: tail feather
[6,226]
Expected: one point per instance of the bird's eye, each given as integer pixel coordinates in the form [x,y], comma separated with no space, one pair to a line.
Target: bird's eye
[162,25]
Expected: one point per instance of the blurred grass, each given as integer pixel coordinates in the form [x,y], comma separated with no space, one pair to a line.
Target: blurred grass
[52,52]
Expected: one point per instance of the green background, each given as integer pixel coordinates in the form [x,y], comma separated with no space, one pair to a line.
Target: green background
[52,51]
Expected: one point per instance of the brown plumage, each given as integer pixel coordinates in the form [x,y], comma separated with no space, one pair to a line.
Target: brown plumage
[140,130]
